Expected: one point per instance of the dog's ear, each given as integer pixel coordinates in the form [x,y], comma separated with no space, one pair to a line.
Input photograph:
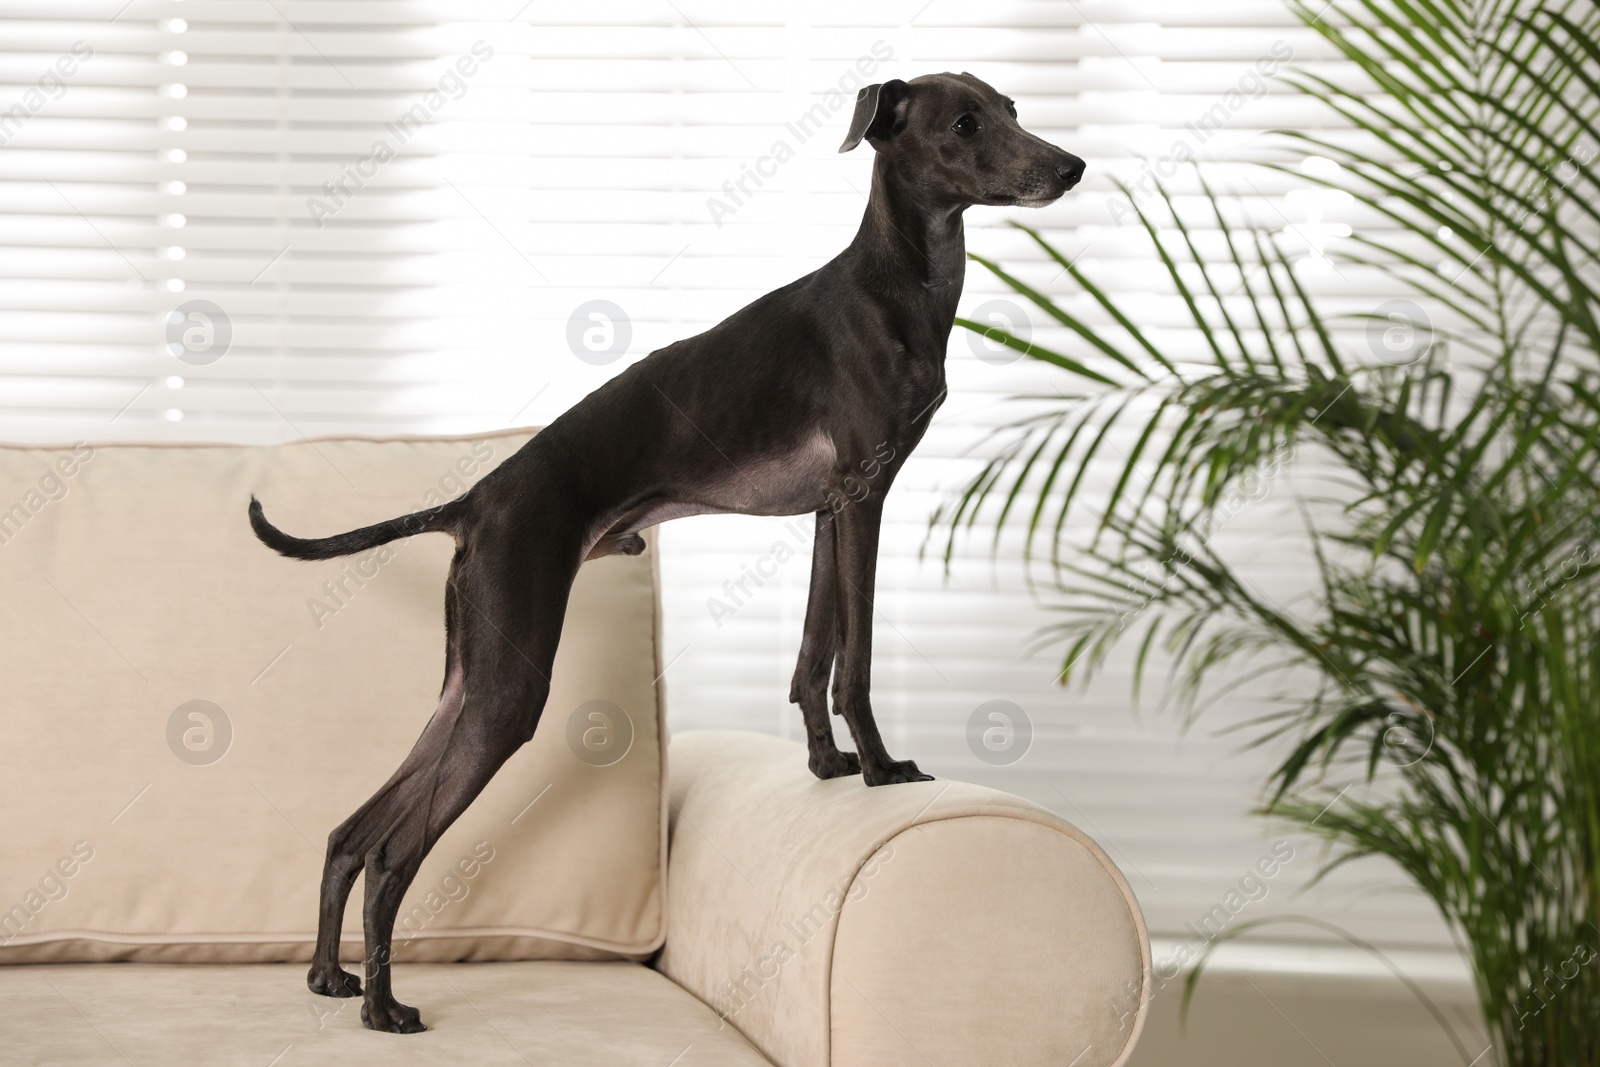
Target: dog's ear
[880,113]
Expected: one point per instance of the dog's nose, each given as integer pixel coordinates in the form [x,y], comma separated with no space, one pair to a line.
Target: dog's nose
[1069,168]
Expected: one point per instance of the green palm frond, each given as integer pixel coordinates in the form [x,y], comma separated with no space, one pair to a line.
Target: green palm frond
[1456,609]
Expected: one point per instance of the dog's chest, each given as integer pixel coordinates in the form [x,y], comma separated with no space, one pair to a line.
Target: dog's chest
[790,482]
[784,483]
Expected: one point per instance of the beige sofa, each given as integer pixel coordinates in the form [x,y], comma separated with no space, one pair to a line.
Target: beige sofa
[188,715]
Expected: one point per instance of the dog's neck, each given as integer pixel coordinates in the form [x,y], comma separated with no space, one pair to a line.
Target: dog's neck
[903,237]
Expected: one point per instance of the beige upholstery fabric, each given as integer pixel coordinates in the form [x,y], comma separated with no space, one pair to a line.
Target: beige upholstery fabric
[480,1015]
[840,926]
[133,586]
[1007,931]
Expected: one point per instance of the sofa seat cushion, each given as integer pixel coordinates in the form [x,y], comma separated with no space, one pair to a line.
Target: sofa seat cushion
[544,1012]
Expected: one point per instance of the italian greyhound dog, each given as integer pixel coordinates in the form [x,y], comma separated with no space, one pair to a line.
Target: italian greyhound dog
[808,400]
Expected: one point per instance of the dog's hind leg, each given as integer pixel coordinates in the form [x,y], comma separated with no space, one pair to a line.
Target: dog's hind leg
[347,845]
[350,841]
[509,617]
[818,645]
[489,729]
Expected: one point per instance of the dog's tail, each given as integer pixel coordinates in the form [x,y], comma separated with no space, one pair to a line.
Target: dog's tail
[441,518]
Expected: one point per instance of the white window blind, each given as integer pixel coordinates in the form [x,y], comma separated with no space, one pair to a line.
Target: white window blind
[401,216]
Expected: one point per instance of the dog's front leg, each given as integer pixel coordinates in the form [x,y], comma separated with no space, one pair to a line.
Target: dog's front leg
[856,559]
[818,646]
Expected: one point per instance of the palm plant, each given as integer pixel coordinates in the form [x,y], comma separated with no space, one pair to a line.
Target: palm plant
[1451,647]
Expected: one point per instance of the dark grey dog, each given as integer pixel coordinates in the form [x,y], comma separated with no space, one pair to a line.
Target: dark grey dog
[807,400]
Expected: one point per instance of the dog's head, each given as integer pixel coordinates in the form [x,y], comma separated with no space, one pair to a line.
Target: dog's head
[960,138]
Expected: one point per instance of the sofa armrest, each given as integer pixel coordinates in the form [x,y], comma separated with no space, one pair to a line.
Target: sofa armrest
[938,922]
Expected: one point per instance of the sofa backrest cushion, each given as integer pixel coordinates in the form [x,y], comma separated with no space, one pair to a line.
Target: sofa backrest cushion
[187,715]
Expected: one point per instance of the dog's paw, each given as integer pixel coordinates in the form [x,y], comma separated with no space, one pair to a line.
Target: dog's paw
[332,981]
[392,1018]
[834,764]
[895,773]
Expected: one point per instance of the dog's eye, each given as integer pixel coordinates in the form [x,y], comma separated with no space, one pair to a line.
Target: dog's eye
[1011,108]
[966,126]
